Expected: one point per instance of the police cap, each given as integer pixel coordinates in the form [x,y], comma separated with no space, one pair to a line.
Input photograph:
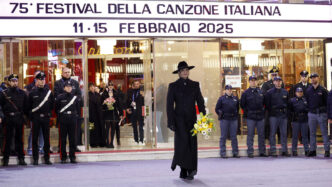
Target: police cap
[299,89]
[252,77]
[277,78]
[12,77]
[304,73]
[313,75]
[274,70]
[41,76]
[228,87]
[68,83]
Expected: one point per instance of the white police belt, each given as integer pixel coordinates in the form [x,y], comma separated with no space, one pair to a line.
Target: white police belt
[43,102]
[68,105]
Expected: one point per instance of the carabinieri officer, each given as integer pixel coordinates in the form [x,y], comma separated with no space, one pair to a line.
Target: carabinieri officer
[41,103]
[298,110]
[67,107]
[252,102]
[227,109]
[276,103]
[14,102]
[317,103]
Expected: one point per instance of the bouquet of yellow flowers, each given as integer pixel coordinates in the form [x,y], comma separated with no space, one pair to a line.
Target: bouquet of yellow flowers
[204,125]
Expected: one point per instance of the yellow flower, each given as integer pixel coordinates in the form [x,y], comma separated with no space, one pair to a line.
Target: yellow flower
[204,120]
[199,122]
[195,131]
[200,129]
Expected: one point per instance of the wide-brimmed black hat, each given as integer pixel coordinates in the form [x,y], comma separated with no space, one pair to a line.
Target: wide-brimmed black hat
[182,65]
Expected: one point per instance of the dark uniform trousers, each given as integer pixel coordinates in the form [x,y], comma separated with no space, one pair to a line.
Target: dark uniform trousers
[134,119]
[13,125]
[40,121]
[67,127]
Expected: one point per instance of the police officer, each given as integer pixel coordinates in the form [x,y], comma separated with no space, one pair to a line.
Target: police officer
[58,89]
[269,84]
[302,84]
[317,103]
[276,104]
[298,110]
[252,103]
[14,103]
[41,103]
[227,109]
[67,107]
[266,87]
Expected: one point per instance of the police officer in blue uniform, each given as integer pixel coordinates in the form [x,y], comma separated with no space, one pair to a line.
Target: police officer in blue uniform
[276,103]
[302,84]
[67,108]
[227,109]
[14,102]
[317,104]
[41,103]
[298,110]
[269,84]
[252,103]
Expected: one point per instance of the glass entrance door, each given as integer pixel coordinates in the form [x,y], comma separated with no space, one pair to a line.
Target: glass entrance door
[124,63]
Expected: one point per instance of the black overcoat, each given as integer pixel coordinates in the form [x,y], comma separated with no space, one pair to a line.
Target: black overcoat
[181,116]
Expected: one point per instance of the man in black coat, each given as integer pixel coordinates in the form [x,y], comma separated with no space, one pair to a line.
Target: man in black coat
[184,93]
[135,101]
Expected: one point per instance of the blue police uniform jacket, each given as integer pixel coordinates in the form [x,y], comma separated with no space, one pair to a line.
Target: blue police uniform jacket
[252,103]
[276,102]
[329,105]
[317,99]
[298,109]
[227,107]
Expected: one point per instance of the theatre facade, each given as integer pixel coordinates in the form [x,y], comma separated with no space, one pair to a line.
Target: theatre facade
[121,41]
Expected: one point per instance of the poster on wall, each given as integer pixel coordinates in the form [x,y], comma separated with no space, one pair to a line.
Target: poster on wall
[234,80]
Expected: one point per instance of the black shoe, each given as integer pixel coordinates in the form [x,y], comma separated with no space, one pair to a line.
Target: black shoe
[183,174]
[63,161]
[35,162]
[262,155]
[274,154]
[5,162]
[306,153]
[77,150]
[250,155]
[223,156]
[51,151]
[73,161]
[110,146]
[285,154]
[48,162]
[327,154]
[294,153]
[21,162]
[191,175]
[312,154]
[236,156]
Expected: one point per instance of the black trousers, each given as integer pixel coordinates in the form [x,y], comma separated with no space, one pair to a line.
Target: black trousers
[42,123]
[112,127]
[135,119]
[13,125]
[67,127]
